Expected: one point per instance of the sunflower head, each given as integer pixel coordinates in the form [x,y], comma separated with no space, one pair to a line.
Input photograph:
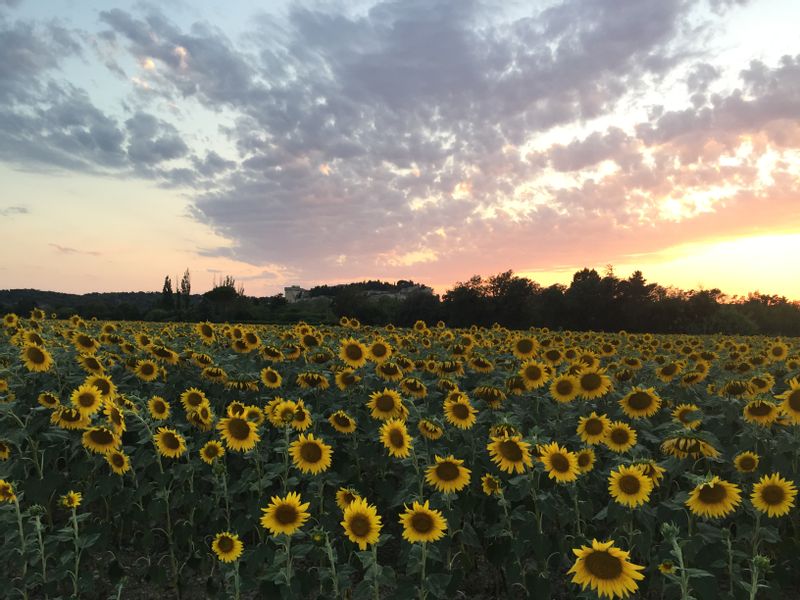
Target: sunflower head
[423,524]
[361,523]
[227,546]
[605,569]
[71,499]
[310,455]
[448,474]
[773,495]
[211,451]
[714,498]
[285,515]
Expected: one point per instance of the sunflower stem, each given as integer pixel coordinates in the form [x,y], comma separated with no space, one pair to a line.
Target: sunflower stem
[286,459]
[288,545]
[423,559]
[375,579]
[684,581]
[236,579]
[729,547]
[577,511]
[332,561]
[42,556]
[22,546]
[75,590]
[756,533]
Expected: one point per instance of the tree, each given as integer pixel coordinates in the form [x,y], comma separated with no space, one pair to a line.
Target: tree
[167,300]
[186,289]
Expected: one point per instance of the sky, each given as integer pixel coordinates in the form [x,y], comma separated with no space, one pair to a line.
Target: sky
[305,143]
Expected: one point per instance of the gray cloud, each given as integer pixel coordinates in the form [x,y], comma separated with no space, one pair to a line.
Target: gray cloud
[13,210]
[68,250]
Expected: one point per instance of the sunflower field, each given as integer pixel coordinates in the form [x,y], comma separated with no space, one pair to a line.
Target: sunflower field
[142,460]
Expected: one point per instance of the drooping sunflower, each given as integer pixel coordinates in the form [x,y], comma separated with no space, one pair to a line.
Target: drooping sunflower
[593,383]
[746,462]
[652,470]
[534,374]
[594,428]
[146,370]
[791,401]
[361,523]
[640,403]
[389,371]
[760,412]
[605,569]
[688,445]
[346,378]
[87,399]
[346,496]
[714,498]
[629,486]
[285,515]
[491,485]
[687,415]
[510,453]
[48,400]
[5,450]
[169,442]
[7,491]
[385,405]
[90,363]
[239,433]
[312,380]
[413,387]
[493,396]
[301,418]
[310,455]
[69,418]
[114,417]
[481,364]
[158,408]
[773,495]
[448,475]
[192,399]
[118,461]
[36,358]
[353,353]
[586,459]
[560,464]
[565,388]
[621,437]
[429,430]
[459,411]
[342,422]
[395,438]
[423,524]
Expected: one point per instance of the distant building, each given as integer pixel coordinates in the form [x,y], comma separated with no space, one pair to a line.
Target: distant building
[402,293]
[295,293]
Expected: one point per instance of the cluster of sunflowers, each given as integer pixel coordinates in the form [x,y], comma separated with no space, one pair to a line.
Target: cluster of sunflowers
[398,462]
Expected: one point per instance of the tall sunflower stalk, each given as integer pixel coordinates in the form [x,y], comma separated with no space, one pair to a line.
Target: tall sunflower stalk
[22,547]
[77,540]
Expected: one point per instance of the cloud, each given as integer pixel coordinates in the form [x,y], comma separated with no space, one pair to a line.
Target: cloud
[68,250]
[13,210]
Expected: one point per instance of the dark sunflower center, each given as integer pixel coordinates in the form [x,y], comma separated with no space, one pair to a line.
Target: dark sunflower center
[353,352]
[85,341]
[87,400]
[341,420]
[640,401]
[239,429]
[552,355]
[772,495]
[389,369]
[311,452]
[524,346]
[360,525]
[91,363]
[35,355]
[630,484]
[591,382]
[287,414]
[421,522]
[510,450]
[286,514]
[71,416]
[620,436]
[194,399]
[384,403]
[533,373]
[747,463]
[211,451]
[602,565]
[669,369]
[593,427]
[147,369]
[761,409]
[559,462]
[118,460]
[564,387]
[777,351]
[378,350]
[170,441]
[584,459]
[101,437]
[225,544]
[159,407]
[794,400]
[103,385]
[460,411]
[712,494]
[396,438]
[206,331]
[447,471]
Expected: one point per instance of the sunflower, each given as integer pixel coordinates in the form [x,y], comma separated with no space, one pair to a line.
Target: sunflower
[192,399]
[114,417]
[7,491]
[158,407]
[773,495]
[687,415]
[118,461]
[652,470]
[89,363]
[346,378]
[310,455]
[48,400]
[211,451]
[447,475]
[684,446]
[254,414]
[459,411]
[85,343]
[361,523]
[301,418]
[493,396]
[69,418]
[342,422]
[586,459]
[640,403]
[385,405]
[605,568]
[429,430]
[423,524]
[481,364]
[87,399]
[524,347]
[714,498]
[791,401]
[630,486]
[593,383]
[5,450]
[10,320]
[559,463]
[760,412]
[669,371]
[169,442]
[103,383]
[666,567]
[389,371]
[312,380]
[36,358]
[534,374]
[146,370]
[777,351]
[413,387]
[206,332]
[239,433]
[214,374]
[285,515]
[746,462]
[510,453]
[621,437]
[565,388]
[395,438]
[280,412]
[227,546]
[594,428]
[71,499]
[491,485]
[346,496]
[353,353]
